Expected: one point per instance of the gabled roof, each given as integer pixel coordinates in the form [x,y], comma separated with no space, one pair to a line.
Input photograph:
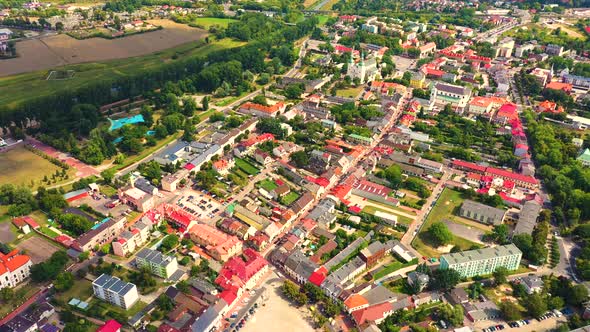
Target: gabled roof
[110,326]
[355,301]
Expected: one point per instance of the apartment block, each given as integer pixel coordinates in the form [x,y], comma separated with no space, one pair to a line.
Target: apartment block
[482,261]
[161,265]
[132,239]
[14,268]
[115,291]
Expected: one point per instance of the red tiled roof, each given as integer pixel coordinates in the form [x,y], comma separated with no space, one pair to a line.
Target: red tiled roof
[12,261]
[110,326]
[372,313]
[318,276]
[355,301]
[189,166]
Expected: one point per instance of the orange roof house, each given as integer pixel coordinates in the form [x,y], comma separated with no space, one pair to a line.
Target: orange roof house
[549,107]
[261,110]
[565,87]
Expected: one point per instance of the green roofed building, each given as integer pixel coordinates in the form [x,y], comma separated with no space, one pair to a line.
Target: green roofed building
[584,158]
[360,139]
[482,261]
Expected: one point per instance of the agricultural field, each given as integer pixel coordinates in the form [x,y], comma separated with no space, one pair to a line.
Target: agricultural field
[22,167]
[61,49]
[38,86]
[207,22]
[444,210]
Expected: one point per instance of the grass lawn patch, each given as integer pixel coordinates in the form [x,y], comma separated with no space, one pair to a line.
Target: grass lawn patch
[22,167]
[39,217]
[390,207]
[267,185]
[21,294]
[246,166]
[289,198]
[446,204]
[391,267]
[401,219]
[108,190]
[349,92]
[82,290]
[48,232]
[207,22]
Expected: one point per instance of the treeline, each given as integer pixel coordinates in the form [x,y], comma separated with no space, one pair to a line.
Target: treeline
[133,5]
[567,181]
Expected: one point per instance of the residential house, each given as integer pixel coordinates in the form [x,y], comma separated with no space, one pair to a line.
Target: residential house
[14,268]
[482,261]
[129,240]
[163,266]
[418,280]
[532,284]
[262,110]
[217,244]
[100,234]
[223,166]
[456,95]
[115,291]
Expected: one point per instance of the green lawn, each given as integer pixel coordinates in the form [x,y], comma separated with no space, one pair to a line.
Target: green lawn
[48,232]
[36,85]
[23,167]
[390,207]
[401,219]
[246,166]
[108,190]
[289,198]
[351,92]
[207,22]
[393,266]
[267,185]
[446,204]
[82,290]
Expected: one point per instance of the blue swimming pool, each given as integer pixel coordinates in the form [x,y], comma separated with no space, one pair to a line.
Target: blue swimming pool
[116,124]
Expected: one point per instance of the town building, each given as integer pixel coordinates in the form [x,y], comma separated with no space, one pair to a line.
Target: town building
[482,261]
[505,48]
[584,157]
[532,284]
[129,240]
[222,166]
[527,217]
[455,95]
[418,280]
[218,244]
[482,213]
[373,253]
[241,273]
[136,198]
[100,234]
[159,264]
[14,268]
[115,291]
[262,110]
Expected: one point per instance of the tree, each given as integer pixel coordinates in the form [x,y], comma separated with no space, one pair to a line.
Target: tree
[300,159]
[444,279]
[165,303]
[169,242]
[205,103]
[500,234]
[64,281]
[577,295]
[74,223]
[535,305]
[294,91]
[49,269]
[189,106]
[393,174]
[6,294]
[452,314]
[510,311]
[83,256]
[108,175]
[260,99]
[500,275]
[183,287]
[439,234]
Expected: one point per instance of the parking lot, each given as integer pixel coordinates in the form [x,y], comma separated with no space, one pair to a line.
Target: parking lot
[100,203]
[200,204]
[528,325]
[37,248]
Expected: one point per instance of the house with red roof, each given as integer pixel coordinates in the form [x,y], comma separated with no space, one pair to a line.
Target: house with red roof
[175,215]
[565,87]
[222,166]
[262,110]
[318,276]
[14,268]
[547,106]
[217,244]
[241,273]
[506,113]
[376,313]
[110,326]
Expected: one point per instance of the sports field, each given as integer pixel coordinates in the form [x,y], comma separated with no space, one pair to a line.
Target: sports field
[37,85]
[22,167]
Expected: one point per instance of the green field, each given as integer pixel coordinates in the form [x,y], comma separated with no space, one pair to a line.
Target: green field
[351,92]
[48,232]
[82,290]
[246,167]
[446,204]
[267,185]
[18,88]
[401,219]
[207,22]
[22,167]
[289,198]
